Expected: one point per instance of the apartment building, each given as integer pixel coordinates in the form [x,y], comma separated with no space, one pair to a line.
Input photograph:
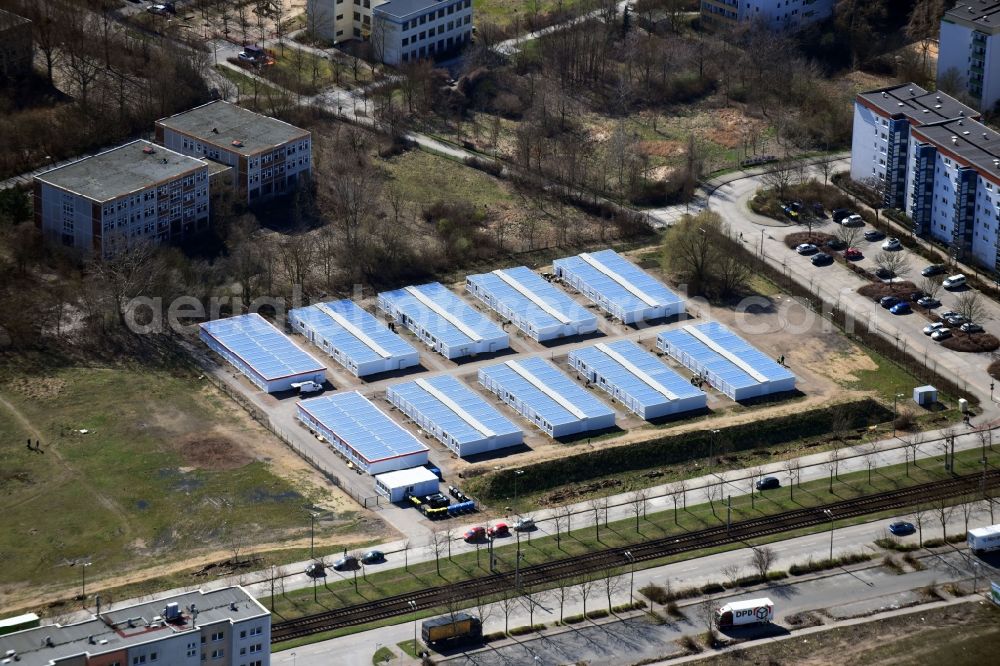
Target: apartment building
[939,164]
[268,156]
[399,30]
[15,47]
[775,14]
[969,51]
[138,191]
[225,627]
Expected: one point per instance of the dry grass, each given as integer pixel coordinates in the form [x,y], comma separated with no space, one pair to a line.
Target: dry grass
[974,342]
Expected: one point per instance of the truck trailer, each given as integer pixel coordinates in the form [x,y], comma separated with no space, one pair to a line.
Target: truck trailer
[739,613]
[984,539]
[451,629]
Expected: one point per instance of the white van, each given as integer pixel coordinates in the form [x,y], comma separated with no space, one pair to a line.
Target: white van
[954,281]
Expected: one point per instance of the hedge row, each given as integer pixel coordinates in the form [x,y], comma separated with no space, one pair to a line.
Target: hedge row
[674,449]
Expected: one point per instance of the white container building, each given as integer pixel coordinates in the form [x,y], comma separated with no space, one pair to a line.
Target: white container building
[413,481]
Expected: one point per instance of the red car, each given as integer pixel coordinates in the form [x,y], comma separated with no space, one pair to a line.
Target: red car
[474,534]
[853,254]
[498,530]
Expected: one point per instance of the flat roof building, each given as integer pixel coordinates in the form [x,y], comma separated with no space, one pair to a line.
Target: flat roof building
[544,395]
[138,192]
[362,432]
[353,337]
[969,51]
[414,481]
[637,379]
[443,321]
[265,355]
[618,286]
[225,626]
[535,306]
[455,415]
[269,156]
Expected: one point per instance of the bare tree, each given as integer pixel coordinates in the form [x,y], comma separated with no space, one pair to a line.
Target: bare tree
[585,588]
[791,467]
[733,572]
[562,592]
[567,512]
[931,285]
[779,177]
[911,444]
[971,305]
[611,583]
[706,612]
[679,493]
[559,520]
[920,516]
[756,472]
[762,558]
[832,465]
[595,505]
[638,504]
[967,507]
[849,235]
[508,604]
[714,493]
[869,451]
[438,542]
[895,263]
[943,512]
[406,554]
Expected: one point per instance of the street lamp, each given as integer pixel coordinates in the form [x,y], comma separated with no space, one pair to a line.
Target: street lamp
[829,514]
[413,607]
[312,535]
[83,579]
[895,400]
[293,659]
[711,446]
[631,582]
[517,473]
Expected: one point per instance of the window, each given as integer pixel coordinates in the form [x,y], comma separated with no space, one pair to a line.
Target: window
[406,41]
[219,653]
[357,16]
[340,17]
[256,647]
[140,659]
[243,634]
[256,631]
[218,636]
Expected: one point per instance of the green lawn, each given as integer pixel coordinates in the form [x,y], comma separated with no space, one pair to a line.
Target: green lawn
[585,537]
[423,178]
[161,477]
[246,86]
[308,73]
[507,12]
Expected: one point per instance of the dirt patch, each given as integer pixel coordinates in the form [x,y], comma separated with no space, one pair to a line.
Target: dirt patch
[213,452]
[974,342]
[731,126]
[818,238]
[40,388]
[665,149]
[878,290]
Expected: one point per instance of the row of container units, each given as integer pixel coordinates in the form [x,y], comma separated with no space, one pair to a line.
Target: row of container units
[454,415]
[443,321]
[537,308]
[353,337]
[729,363]
[265,355]
[618,286]
[546,397]
[637,379]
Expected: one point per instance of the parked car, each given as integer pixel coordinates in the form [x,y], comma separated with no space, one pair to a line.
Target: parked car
[941,334]
[901,308]
[929,302]
[955,320]
[902,528]
[316,570]
[768,483]
[477,533]
[498,530]
[790,212]
[884,274]
[970,327]
[835,244]
[838,214]
[931,328]
[806,248]
[892,244]
[954,281]
[307,387]
[853,254]
[932,270]
[524,524]
[889,301]
[916,295]
[874,235]
[854,220]
[435,500]
[346,563]
[373,557]
[821,259]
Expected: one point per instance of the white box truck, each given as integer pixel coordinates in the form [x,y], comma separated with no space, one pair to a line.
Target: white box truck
[751,611]
[983,539]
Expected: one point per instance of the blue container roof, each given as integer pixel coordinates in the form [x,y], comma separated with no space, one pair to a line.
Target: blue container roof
[514,298]
[268,351]
[619,280]
[360,349]
[473,321]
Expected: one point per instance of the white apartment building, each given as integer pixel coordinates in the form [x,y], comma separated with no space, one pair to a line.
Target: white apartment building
[225,627]
[969,50]
[268,156]
[136,192]
[940,165]
[775,14]
[399,31]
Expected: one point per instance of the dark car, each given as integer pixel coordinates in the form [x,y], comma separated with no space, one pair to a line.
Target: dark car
[346,563]
[933,269]
[316,570]
[916,295]
[884,274]
[373,557]
[902,528]
[874,235]
[821,259]
[435,501]
[901,308]
[969,327]
[835,244]
[839,214]
[929,302]
[768,483]
[889,301]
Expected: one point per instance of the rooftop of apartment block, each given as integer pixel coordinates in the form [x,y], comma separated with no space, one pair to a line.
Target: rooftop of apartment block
[232,127]
[970,140]
[919,105]
[983,15]
[120,171]
[402,9]
[130,626]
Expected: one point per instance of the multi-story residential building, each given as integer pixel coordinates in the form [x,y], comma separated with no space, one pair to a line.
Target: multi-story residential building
[269,157]
[225,627]
[882,121]
[969,51]
[15,46]
[399,30]
[139,191]
[775,14]
[939,164]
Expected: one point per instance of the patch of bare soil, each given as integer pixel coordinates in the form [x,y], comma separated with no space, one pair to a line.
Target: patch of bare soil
[878,290]
[797,238]
[971,342]
[37,388]
[213,452]
[661,148]
[732,125]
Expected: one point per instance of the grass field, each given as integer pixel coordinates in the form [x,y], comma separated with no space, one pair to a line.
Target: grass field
[423,178]
[586,536]
[167,472]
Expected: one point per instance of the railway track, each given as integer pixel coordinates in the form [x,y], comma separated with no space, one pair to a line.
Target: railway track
[549,572]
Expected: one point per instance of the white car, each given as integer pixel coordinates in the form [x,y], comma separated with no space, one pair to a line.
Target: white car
[941,334]
[929,329]
[307,387]
[854,220]
[524,524]
[954,281]
[806,248]
[891,244]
